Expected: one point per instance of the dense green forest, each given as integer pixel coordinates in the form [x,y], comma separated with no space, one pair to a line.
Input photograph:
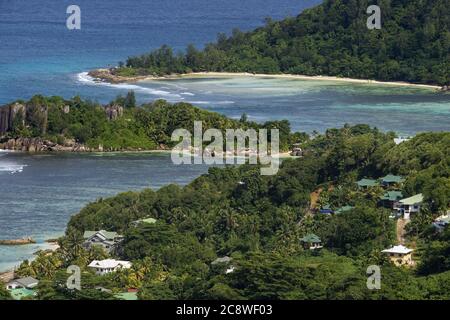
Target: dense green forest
[122,125]
[412,45]
[258,221]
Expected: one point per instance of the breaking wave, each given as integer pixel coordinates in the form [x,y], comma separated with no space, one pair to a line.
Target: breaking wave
[85,78]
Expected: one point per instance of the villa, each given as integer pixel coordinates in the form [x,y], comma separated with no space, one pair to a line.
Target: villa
[400,255]
[391,199]
[106,266]
[311,241]
[106,239]
[410,205]
[367,183]
[22,283]
[391,180]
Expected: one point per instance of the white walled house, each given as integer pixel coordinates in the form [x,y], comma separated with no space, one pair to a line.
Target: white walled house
[411,205]
[400,255]
[102,267]
[22,283]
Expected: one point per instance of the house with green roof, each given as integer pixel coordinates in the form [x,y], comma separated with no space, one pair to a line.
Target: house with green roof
[390,180]
[311,241]
[367,183]
[108,240]
[411,205]
[390,199]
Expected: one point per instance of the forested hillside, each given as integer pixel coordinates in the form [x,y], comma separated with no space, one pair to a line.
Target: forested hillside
[412,45]
[259,221]
[119,125]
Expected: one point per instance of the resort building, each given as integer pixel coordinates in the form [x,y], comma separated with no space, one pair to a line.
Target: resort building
[367,183]
[391,180]
[410,205]
[22,283]
[400,255]
[311,241]
[102,267]
[106,239]
[390,199]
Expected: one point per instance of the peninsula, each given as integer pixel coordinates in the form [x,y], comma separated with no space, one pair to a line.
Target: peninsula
[327,42]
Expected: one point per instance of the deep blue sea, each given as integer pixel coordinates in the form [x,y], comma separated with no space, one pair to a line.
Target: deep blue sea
[39,55]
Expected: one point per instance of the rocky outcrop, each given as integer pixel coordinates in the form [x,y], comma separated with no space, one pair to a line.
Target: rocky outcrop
[17,242]
[8,114]
[108,75]
[41,145]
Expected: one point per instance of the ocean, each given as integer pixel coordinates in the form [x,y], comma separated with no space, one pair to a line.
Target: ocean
[39,55]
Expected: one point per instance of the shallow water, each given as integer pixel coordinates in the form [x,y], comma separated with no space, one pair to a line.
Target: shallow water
[39,193]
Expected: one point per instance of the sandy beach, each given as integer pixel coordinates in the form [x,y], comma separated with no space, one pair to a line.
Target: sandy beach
[106,75]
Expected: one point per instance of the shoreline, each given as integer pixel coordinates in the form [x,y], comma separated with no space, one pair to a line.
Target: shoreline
[48,246]
[105,75]
[281,155]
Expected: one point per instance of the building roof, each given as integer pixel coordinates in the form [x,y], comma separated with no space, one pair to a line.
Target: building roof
[225,259]
[398,249]
[343,209]
[107,235]
[27,282]
[401,139]
[126,295]
[18,294]
[146,220]
[390,178]
[441,222]
[418,198]
[392,195]
[311,238]
[367,183]
[109,263]
[444,219]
